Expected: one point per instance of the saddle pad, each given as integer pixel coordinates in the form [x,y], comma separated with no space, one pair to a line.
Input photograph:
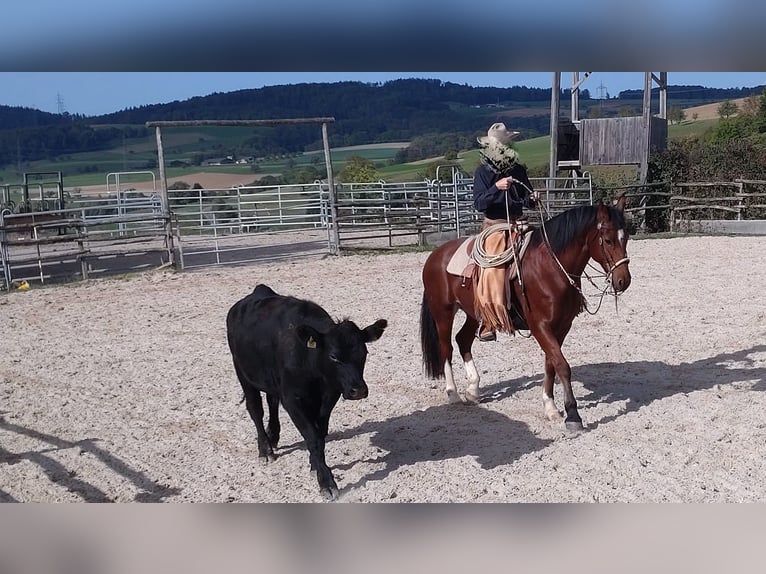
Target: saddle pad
[461,263]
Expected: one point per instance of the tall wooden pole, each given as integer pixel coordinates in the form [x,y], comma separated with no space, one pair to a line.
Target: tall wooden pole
[575,97]
[647,117]
[334,234]
[164,197]
[555,97]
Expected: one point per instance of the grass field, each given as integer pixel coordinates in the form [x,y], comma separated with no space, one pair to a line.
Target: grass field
[88,169]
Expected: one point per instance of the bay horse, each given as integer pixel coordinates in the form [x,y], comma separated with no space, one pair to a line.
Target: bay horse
[551,298]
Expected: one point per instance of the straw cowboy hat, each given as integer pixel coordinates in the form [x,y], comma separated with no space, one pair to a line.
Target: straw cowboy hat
[497,133]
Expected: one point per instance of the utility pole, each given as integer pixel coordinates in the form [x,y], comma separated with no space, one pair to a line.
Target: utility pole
[601,95]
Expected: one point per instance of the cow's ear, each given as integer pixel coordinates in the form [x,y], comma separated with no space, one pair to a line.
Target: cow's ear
[374,331]
[308,336]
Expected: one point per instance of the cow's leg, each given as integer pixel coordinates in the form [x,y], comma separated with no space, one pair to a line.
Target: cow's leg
[255,408]
[301,415]
[464,338]
[273,428]
[254,405]
[323,421]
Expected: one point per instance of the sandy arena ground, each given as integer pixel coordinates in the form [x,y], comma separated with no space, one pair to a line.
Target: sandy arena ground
[123,390]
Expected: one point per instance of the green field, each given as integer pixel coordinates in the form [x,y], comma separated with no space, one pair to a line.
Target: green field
[140,154]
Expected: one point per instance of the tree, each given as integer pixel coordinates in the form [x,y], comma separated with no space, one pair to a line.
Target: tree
[358,170]
[750,105]
[594,112]
[727,109]
[626,112]
[676,115]
[760,118]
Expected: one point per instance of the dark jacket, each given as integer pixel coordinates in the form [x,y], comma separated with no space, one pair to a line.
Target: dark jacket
[491,201]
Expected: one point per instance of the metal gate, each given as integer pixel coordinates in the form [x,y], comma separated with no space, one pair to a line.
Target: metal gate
[246,224]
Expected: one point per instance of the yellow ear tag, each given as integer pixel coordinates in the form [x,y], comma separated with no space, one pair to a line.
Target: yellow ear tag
[311,343]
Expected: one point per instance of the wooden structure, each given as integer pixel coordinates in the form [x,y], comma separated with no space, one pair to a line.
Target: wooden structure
[158,125]
[606,141]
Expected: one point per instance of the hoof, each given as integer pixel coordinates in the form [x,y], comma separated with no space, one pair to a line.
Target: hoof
[554,416]
[471,399]
[453,397]
[266,459]
[330,494]
[573,426]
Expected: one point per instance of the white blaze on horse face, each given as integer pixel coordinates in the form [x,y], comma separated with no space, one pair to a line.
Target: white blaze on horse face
[621,236]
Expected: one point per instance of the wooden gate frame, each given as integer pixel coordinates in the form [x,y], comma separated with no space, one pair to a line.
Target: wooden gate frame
[158,125]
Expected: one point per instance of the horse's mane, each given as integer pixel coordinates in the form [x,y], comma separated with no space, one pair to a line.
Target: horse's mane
[565,227]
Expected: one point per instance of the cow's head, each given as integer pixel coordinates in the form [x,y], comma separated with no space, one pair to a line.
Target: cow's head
[341,353]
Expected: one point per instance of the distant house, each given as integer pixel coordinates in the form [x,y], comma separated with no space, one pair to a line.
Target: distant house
[218,161]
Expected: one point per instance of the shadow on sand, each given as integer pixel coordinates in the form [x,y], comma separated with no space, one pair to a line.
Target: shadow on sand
[640,383]
[452,431]
[151,491]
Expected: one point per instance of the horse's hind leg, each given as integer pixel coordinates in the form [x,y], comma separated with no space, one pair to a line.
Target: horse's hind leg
[444,328]
[464,338]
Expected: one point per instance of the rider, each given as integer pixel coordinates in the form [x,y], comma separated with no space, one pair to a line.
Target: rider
[493,192]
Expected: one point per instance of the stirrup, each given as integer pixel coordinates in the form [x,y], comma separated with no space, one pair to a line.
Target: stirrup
[487,336]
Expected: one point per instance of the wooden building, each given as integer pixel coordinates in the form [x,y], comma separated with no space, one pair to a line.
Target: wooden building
[578,143]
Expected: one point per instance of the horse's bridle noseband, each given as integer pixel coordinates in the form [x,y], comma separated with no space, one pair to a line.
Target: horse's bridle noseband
[612,266]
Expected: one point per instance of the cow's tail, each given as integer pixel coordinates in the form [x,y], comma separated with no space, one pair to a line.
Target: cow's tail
[429,342]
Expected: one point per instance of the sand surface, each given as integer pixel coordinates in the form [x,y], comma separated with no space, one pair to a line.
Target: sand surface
[123,390]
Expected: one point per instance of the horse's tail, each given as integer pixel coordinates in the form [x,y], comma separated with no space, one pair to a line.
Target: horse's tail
[429,342]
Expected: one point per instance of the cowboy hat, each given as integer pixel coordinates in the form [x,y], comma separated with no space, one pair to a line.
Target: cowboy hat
[497,133]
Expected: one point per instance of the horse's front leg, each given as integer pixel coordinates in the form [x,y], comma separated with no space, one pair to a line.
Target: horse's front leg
[549,405]
[553,356]
[464,338]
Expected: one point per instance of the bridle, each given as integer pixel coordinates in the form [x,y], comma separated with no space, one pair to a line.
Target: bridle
[612,266]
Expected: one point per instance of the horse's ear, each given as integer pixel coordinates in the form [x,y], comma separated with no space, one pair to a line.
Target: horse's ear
[620,203]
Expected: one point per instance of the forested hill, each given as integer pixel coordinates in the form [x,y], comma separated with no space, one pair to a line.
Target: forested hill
[398,110]
[696,92]
[364,113]
[12,118]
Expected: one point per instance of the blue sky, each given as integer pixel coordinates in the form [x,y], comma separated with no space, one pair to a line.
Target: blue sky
[95,93]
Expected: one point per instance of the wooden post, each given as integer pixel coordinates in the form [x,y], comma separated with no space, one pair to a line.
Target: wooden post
[740,191]
[164,198]
[664,95]
[646,124]
[555,98]
[335,235]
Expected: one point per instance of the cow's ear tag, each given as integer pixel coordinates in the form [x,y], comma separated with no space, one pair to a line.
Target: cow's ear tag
[311,343]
